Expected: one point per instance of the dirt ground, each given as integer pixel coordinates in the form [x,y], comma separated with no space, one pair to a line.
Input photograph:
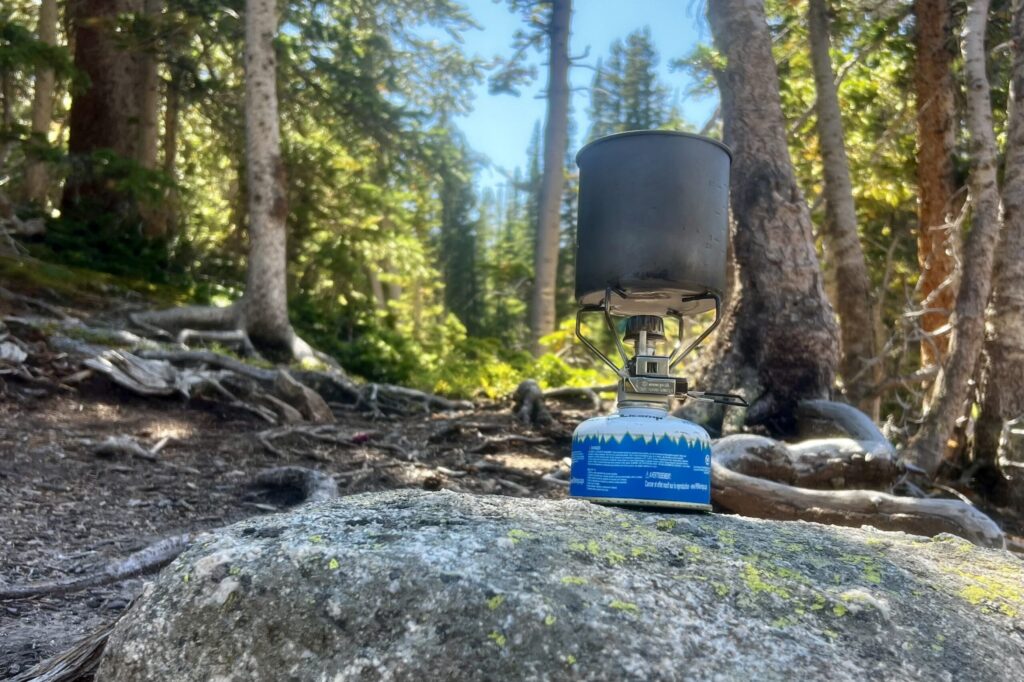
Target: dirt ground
[64,511]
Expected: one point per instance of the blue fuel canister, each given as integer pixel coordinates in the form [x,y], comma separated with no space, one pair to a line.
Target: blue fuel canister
[642,456]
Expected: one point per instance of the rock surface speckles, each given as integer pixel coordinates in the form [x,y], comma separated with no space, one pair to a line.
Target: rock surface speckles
[412,585]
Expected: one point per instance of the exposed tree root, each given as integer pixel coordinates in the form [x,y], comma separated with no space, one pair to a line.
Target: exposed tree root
[758,498]
[589,393]
[855,423]
[146,560]
[206,318]
[310,485]
[529,407]
[817,463]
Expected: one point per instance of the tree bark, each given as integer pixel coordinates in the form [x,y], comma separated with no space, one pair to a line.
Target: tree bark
[149,88]
[556,133]
[928,447]
[854,303]
[106,115]
[1003,380]
[36,176]
[779,344]
[265,302]
[936,142]
[172,112]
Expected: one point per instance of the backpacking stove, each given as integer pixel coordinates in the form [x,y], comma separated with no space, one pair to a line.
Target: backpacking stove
[651,244]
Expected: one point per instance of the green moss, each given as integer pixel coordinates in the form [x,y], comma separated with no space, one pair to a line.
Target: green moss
[497,638]
[870,566]
[619,605]
[234,570]
[840,610]
[727,537]
[693,549]
[755,582]
[74,282]
[665,524]
[574,580]
[549,620]
[496,601]
[783,622]
[570,660]
[721,589]
[988,581]
[515,535]
[315,539]
[333,564]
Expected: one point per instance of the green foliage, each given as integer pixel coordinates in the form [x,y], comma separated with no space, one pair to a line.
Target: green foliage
[104,231]
[626,93]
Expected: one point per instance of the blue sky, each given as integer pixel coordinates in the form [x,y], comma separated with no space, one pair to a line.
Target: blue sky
[500,126]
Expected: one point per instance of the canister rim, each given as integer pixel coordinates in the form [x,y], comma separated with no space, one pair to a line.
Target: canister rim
[671,133]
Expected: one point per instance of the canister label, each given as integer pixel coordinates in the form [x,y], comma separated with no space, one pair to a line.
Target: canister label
[662,469]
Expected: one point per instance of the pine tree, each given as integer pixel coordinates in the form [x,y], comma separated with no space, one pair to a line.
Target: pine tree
[626,94]
[459,245]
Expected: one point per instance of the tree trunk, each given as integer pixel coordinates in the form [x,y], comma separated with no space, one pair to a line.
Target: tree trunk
[928,447]
[556,133]
[854,302]
[1003,382]
[780,342]
[149,88]
[265,303]
[36,176]
[105,116]
[936,142]
[172,112]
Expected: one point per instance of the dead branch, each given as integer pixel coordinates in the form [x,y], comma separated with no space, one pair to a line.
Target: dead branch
[146,560]
[758,498]
[529,407]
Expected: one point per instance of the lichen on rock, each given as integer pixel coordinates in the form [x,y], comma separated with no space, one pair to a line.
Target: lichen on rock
[416,585]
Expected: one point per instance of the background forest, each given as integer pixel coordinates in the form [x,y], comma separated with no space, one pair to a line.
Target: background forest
[123,152]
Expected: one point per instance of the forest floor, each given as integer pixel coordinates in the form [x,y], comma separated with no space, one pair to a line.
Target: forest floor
[66,511]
